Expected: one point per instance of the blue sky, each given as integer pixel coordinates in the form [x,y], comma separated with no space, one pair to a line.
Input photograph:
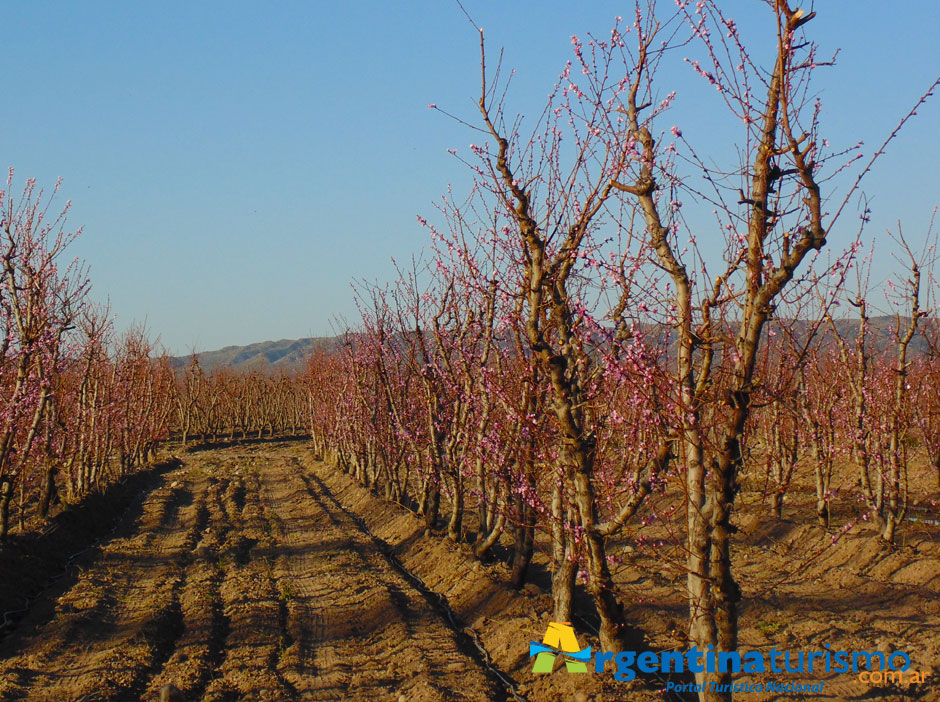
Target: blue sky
[234,165]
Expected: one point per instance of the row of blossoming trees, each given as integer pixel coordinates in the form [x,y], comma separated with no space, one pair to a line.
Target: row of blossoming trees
[225,404]
[577,359]
[80,405]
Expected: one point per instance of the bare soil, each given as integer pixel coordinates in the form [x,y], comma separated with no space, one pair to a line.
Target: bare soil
[240,580]
[259,573]
[803,588]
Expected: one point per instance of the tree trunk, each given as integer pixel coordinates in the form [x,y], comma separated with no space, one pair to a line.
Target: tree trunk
[6,494]
[48,493]
[524,533]
[455,525]
[890,527]
[822,513]
[777,504]
[432,507]
[600,584]
[564,555]
[563,580]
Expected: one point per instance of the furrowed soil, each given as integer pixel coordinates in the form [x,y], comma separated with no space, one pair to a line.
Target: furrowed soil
[259,573]
[240,579]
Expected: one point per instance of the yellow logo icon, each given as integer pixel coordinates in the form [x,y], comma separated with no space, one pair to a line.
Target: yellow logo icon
[559,639]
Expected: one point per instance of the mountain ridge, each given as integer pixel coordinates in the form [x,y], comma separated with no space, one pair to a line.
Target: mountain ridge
[291,354]
[283,354]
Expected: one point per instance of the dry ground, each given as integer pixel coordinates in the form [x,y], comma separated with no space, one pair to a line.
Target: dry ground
[240,580]
[803,587]
[259,573]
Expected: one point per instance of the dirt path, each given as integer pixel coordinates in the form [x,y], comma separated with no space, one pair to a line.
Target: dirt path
[241,579]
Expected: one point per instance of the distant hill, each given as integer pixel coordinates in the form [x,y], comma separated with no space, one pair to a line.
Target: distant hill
[286,354]
[290,354]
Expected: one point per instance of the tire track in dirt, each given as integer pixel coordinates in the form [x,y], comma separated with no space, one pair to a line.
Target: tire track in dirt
[250,599]
[466,638]
[200,649]
[242,580]
[392,629]
[118,623]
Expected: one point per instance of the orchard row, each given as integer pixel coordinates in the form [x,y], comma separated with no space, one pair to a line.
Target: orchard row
[616,328]
[80,405]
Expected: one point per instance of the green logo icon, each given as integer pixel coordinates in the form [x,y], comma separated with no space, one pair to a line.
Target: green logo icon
[559,640]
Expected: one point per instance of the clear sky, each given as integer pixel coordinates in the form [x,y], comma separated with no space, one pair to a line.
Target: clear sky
[236,164]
